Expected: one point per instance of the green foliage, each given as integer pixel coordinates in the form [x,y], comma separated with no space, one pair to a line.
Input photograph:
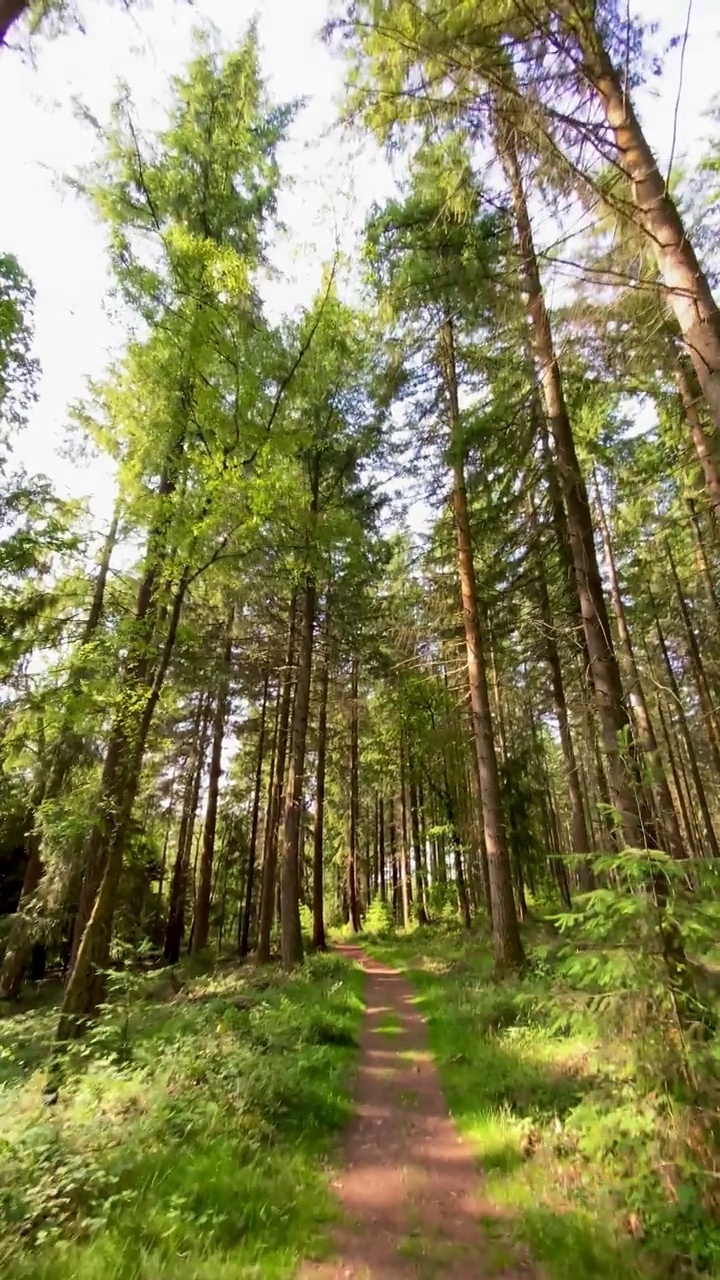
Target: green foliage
[378,921]
[187,1138]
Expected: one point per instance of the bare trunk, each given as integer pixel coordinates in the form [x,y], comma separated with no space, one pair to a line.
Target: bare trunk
[201,925]
[626,793]
[687,286]
[581,843]
[319,940]
[353,910]
[506,935]
[291,933]
[246,910]
[267,896]
[692,758]
[178,889]
[698,666]
[404,871]
[705,445]
[669,837]
[420,904]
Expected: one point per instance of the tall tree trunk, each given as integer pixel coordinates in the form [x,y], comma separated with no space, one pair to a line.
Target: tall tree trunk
[245,916]
[420,908]
[267,895]
[669,837]
[404,845]
[706,573]
[692,758]
[319,940]
[581,843]
[353,910]
[698,666]
[291,933]
[627,796]
[687,286]
[506,935]
[178,889]
[381,848]
[706,446]
[201,924]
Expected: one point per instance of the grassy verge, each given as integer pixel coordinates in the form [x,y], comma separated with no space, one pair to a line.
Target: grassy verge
[190,1131]
[601,1178]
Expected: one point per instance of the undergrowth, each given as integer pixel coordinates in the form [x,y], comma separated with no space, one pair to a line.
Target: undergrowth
[600,1173]
[186,1136]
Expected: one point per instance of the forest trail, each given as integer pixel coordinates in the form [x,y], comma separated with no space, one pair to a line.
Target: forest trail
[409,1187]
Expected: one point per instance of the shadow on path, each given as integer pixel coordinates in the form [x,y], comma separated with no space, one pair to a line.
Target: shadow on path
[409,1187]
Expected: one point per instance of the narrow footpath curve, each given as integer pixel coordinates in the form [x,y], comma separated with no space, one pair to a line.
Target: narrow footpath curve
[409,1187]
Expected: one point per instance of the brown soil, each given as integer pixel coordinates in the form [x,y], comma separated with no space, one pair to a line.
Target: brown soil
[409,1187]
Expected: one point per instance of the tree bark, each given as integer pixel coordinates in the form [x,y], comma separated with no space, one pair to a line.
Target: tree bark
[688,289]
[179,884]
[669,837]
[353,909]
[245,916]
[201,924]
[291,943]
[705,445]
[692,758]
[319,940]
[267,895]
[506,935]
[581,843]
[703,686]
[404,846]
[627,793]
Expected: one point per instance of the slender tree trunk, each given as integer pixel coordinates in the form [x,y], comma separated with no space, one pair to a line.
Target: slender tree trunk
[353,911]
[688,289]
[627,794]
[319,940]
[706,573]
[381,848]
[417,854]
[669,837]
[404,846]
[291,933]
[178,890]
[581,843]
[201,924]
[706,446]
[698,666]
[692,758]
[245,917]
[506,935]
[267,896]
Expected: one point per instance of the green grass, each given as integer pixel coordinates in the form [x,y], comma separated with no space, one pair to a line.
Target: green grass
[584,1166]
[191,1134]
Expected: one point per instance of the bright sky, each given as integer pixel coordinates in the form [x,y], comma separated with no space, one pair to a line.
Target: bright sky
[59,244]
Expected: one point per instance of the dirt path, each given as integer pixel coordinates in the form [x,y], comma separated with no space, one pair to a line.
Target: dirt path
[409,1187]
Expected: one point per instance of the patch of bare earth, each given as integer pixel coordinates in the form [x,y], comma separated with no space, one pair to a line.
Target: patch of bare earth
[409,1187]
